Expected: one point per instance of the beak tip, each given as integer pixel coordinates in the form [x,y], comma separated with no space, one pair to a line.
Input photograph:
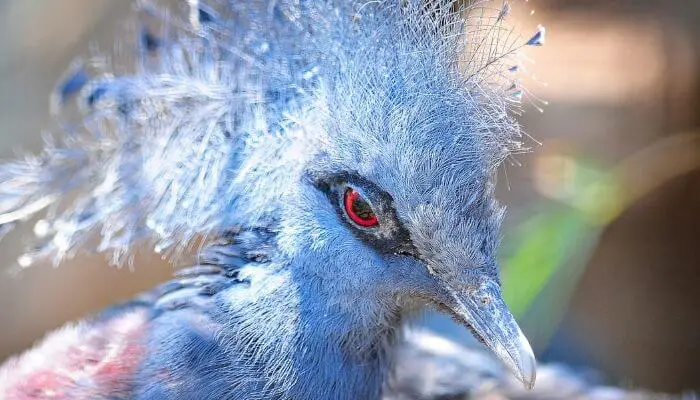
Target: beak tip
[528,377]
[527,365]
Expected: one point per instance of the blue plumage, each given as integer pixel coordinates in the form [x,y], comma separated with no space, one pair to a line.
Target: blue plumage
[245,126]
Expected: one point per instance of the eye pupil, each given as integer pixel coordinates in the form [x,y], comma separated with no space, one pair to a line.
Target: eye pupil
[359,210]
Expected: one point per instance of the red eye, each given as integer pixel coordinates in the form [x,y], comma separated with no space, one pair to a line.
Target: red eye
[358,209]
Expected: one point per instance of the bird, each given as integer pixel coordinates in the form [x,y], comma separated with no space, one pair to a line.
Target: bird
[327,168]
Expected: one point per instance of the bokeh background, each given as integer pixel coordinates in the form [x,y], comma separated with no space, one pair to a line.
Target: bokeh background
[601,253]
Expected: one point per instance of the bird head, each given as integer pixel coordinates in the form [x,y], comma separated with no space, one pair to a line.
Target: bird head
[398,198]
[400,209]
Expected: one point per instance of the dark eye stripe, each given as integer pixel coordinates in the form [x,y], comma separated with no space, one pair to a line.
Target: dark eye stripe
[388,236]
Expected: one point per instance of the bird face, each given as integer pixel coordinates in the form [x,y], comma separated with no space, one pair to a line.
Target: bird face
[403,206]
[424,249]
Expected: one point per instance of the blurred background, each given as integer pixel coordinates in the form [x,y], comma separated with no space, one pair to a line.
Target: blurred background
[601,255]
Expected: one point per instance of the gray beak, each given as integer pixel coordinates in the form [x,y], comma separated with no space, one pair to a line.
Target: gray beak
[485,312]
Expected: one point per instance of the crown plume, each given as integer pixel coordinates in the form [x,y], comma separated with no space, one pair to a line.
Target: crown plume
[220,107]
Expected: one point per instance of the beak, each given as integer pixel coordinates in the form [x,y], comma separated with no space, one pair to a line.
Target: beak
[487,315]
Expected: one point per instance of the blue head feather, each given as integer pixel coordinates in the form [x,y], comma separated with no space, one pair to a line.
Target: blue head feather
[209,132]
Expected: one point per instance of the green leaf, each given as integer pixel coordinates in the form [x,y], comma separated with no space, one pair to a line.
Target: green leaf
[541,245]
